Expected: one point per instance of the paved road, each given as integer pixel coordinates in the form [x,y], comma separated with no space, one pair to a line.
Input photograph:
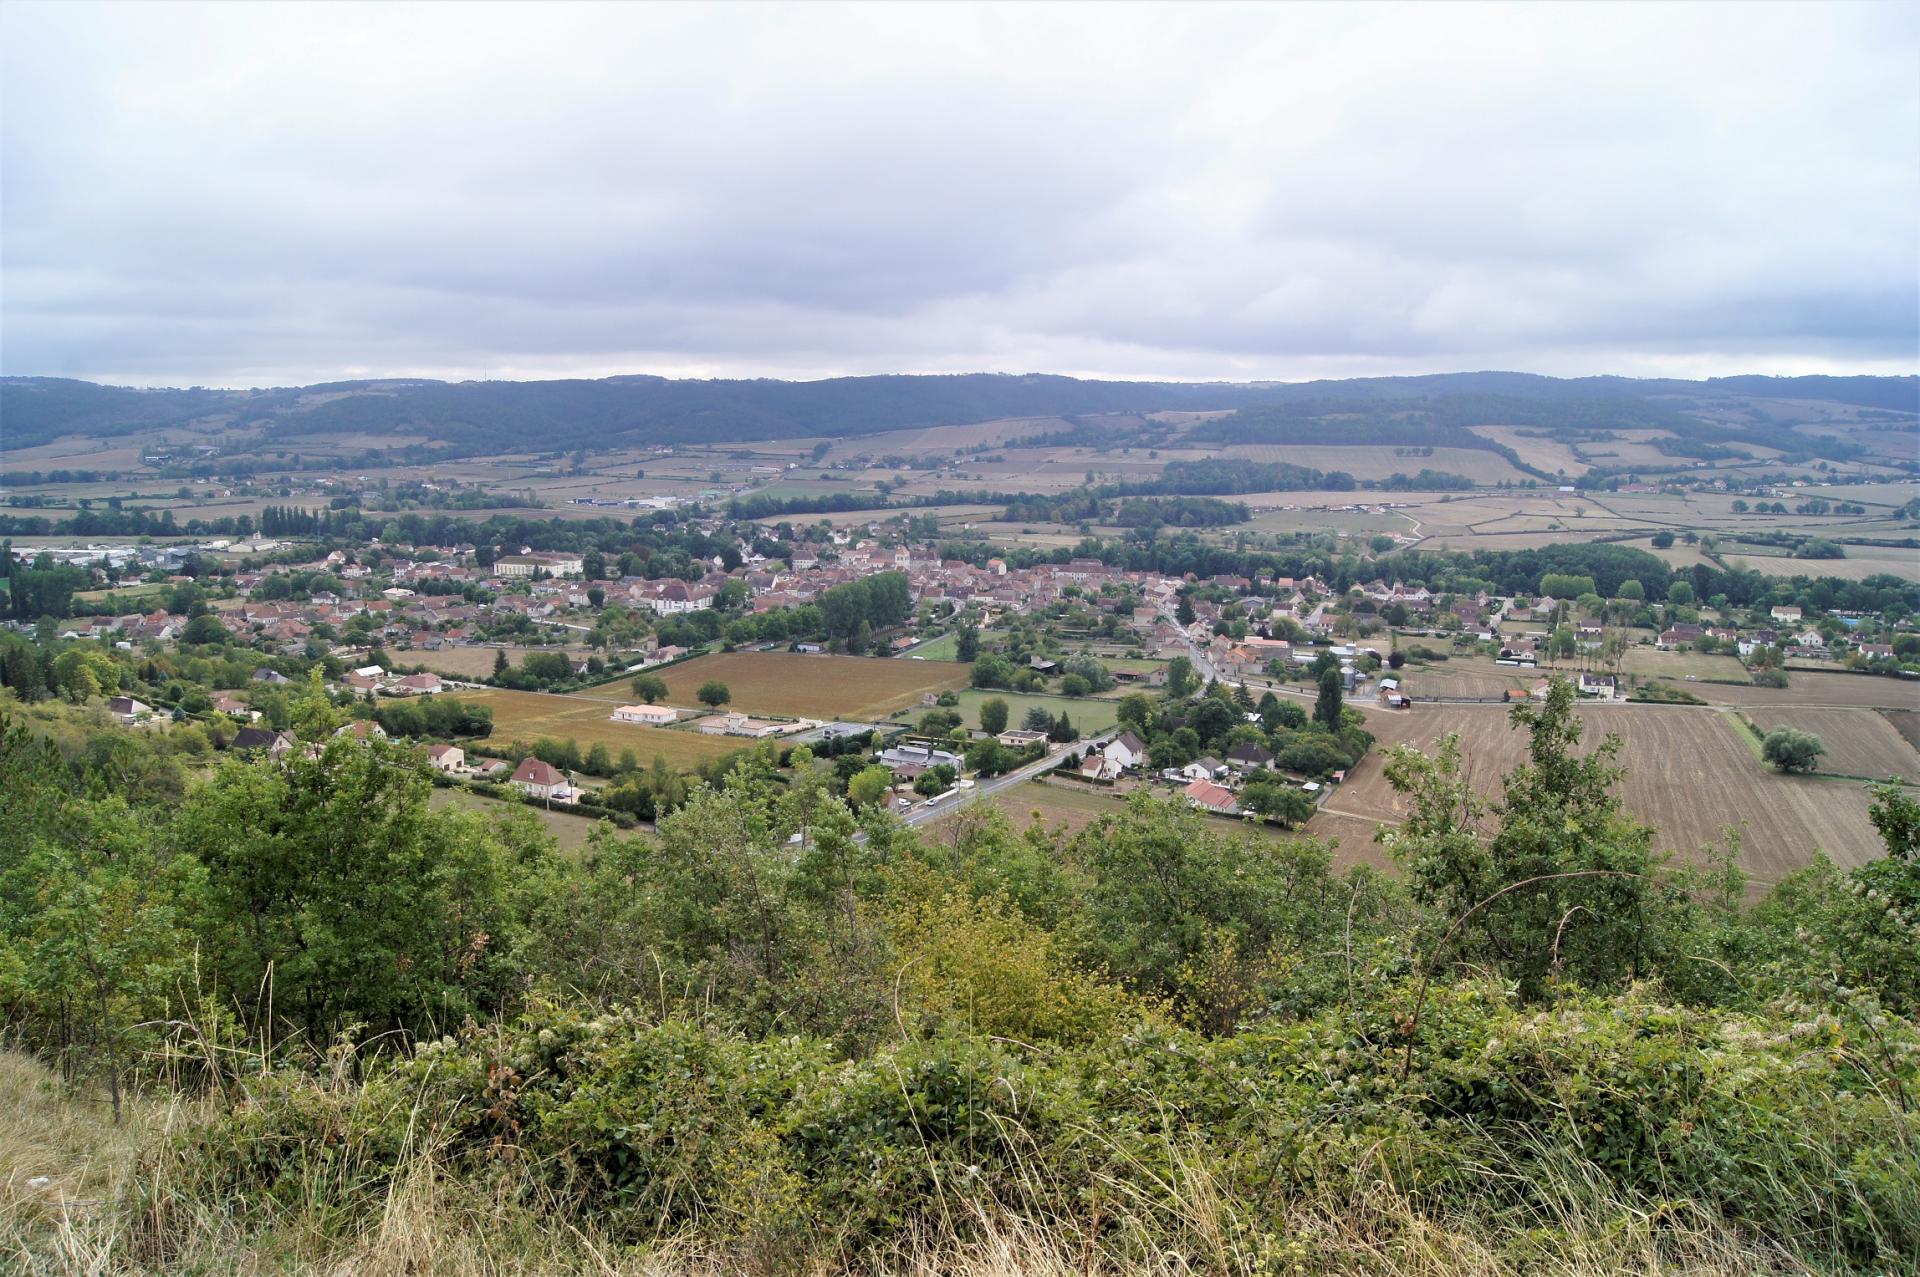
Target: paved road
[956,799]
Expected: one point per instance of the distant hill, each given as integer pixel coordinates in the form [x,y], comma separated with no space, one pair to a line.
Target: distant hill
[483,416]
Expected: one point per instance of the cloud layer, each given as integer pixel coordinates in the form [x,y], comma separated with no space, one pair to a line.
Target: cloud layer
[286,193]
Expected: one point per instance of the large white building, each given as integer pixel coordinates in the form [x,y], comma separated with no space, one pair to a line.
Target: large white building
[646,715]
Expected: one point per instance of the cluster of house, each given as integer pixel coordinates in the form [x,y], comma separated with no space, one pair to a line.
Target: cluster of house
[374,679]
[730,723]
[420,608]
[1208,783]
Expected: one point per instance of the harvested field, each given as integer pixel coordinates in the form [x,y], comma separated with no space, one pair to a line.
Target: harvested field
[1551,455]
[460,662]
[1354,840]
[1690,774]
[791,684]
[527,716]
[1906,722]
[1862,561]
[1472,678]
[1860,742]
[1809,688]
[1373,462]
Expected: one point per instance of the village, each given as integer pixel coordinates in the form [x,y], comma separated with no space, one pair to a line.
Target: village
[535,658]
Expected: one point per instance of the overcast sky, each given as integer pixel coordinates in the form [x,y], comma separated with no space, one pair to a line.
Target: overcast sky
[276,194]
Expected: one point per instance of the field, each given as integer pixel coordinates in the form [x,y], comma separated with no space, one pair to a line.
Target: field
[1551,455]
[790,684]
[569,830]
[1906,722]
[1462,676]
[1086,713]
[1689,775]
[527,716]
[1860,742]
[1871,691]
[944,648]
[1654,663]
[1065,803]
[461,662]
[1374,462]
[1862,561]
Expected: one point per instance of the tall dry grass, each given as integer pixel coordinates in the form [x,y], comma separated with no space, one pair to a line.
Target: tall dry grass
[116,1203]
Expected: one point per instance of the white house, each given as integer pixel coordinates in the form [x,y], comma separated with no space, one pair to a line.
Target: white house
[736,724]
[646,715]
[1602,686]
[542,780]
[1126,751]
[1204,769]
[446,758]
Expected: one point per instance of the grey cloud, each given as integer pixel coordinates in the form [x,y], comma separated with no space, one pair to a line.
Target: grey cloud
[243,194]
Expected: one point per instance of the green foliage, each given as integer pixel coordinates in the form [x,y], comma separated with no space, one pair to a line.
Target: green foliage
[713,693]
[435,716]
[334,899]
[1567,884]
[991,671]
[1327,708]
[876,602]
[869,786]
[1792,750]
[1096,676]
[1563,585]
[993,715]
[790,1026]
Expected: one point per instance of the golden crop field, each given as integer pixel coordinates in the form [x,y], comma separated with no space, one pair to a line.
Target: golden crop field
[798,685]
[527,716]
[460,662]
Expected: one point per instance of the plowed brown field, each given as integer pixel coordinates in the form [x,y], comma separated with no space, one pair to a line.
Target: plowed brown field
[1690,775]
